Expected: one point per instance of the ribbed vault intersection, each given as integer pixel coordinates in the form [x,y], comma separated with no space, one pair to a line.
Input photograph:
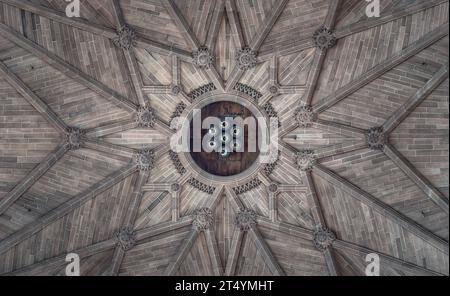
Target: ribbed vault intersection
[88,109]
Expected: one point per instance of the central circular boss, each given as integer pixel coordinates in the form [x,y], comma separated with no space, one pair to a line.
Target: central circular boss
[224,138]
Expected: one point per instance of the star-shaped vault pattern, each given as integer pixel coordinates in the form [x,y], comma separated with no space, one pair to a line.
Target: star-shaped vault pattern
[85,127]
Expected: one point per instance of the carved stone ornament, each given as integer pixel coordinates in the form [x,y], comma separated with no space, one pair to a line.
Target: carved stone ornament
[175,187]
[74,138]
[245,58]
[144,160]
[306,160]
[376,138]
[324,38]
[323,238]
[203,58]
[126,38]
[304,116]
[126,238]
[245,219]
[203,219]
[145,117]
[273,188]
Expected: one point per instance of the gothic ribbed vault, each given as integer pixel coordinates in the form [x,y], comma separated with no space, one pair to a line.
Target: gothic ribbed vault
[86,106]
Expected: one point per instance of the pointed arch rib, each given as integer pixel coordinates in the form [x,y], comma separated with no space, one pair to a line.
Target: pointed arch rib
[82,24]
[184,250]
[320,55]
[404,111]
[66,68]
[65,208]
[386,17]
[33,99]
[420,180]
[377,71]
[340,245]
[32,177]
[381,208]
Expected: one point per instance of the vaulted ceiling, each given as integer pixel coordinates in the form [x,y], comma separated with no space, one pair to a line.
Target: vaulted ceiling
[85,161]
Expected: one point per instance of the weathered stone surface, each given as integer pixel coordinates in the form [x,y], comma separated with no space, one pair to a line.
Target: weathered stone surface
[245,219]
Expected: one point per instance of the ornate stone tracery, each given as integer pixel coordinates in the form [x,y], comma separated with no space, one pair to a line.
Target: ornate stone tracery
[248,90]
[196,93]
[252,184]
[201,186]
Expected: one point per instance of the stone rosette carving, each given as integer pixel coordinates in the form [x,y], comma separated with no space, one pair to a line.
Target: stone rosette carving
[126,238]
[306,160]
[304,116]
[175,89]
[144,160]
[274,90]
[145,117]
[203,219]
[175,187]
[245,219]
[74,138]
[323,238]
[376,139]
[245,58]
[126,38]
[273,188]
[203,58]
[324,38]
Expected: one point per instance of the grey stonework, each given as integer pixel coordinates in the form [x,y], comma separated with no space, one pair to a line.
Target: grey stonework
[324,38]
[126,38]
[203,219]
[245,219]
[323,238]
[126,238]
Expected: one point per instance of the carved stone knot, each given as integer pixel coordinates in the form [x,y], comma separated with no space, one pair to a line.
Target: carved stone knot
[306,160]
[376,139]
[175,89]
[245,219]
[144,160]
[245,58]
[126,238]
[74,138]
[324,38]
[323,238]
[175,187]
[273,188]
[274,90]
[145,117]
[203,220]
[126,38]
[203,58]
[304,116]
